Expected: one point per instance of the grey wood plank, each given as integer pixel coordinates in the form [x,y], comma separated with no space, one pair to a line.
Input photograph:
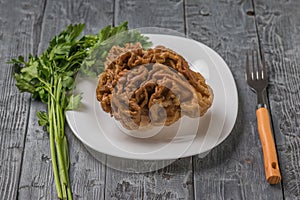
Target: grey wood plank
[86,174]
[153,13]
[174,181]
[278,26]
[234,169]
[17,20]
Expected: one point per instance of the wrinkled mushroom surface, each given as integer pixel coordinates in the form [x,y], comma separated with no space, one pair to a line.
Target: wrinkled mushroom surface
[151,87]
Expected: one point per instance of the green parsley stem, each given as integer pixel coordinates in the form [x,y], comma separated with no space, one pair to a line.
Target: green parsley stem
[53,152]
[58,119]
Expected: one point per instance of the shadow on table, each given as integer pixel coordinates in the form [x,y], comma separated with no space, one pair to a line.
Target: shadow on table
[224,151]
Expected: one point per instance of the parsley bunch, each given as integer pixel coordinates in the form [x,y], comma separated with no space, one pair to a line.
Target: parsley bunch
[50,78]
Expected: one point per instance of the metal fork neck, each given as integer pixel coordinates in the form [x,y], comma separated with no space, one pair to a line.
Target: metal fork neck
[261,106]
[260,100]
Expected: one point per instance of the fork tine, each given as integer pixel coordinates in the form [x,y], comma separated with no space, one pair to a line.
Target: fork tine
[258,71]
[247,67]
[253,66]
[258,67]
[256,78]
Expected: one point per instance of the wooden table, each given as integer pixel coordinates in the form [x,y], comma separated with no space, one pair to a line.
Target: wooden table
[232,170]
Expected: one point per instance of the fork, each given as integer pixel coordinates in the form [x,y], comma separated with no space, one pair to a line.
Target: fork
[257,79]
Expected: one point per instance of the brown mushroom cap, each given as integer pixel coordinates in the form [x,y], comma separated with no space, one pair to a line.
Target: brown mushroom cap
[151,87]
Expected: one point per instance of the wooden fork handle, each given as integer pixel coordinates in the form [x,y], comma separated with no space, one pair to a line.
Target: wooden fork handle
[270,156]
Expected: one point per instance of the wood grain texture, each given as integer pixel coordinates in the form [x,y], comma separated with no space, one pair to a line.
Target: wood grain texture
[16,37]
[171,182]
[234,169]
[153,13]
[279,29]
[87,175]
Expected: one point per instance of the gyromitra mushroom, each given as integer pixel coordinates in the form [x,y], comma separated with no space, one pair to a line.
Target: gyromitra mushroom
[151,87]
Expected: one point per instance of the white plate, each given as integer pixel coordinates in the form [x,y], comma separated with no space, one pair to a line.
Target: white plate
[97,130]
